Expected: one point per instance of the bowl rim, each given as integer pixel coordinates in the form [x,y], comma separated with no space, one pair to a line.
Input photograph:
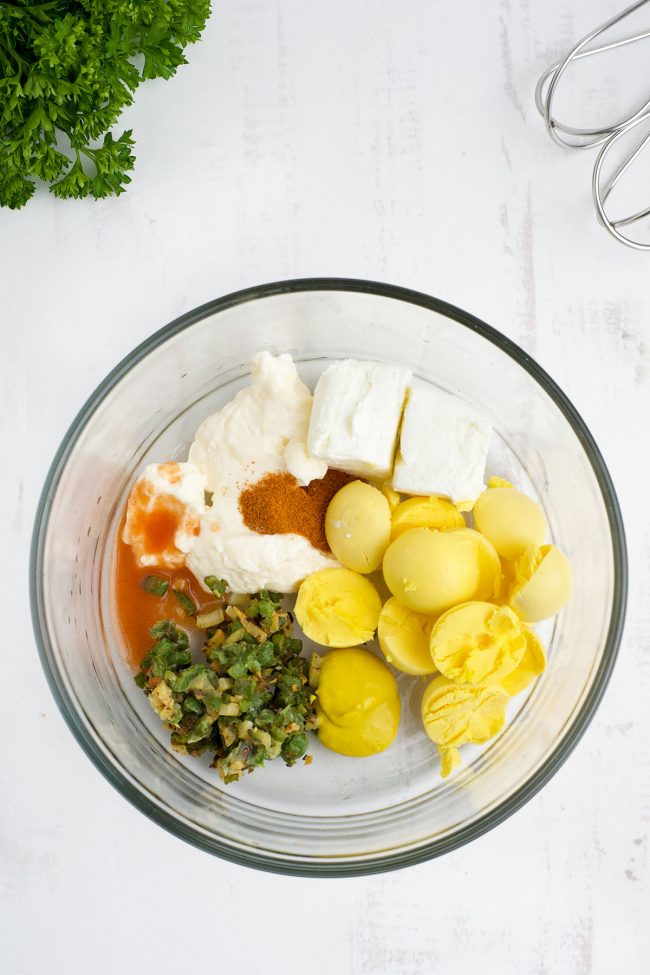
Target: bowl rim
[283,863]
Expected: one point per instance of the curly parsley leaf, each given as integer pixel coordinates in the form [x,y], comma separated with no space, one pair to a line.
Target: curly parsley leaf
[68,68]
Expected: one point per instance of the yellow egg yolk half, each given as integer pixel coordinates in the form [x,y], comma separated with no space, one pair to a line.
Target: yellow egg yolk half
[357,526]
[338,608]
[357,702]
[477,643]
[531,665]
[542,585]
[429,571]
[432,512]
[489,565]
[404,638]
[506,582]
[510,519]
[460,714]
[391,496]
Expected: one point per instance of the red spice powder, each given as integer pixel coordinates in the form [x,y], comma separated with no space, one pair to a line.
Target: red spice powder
[277,505]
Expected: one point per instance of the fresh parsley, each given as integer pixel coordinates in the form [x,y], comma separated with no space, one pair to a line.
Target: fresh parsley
[68,68]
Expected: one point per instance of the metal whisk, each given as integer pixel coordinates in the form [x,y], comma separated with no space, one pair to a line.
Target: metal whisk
[607,136]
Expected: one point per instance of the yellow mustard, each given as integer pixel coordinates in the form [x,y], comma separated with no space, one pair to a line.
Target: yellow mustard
[357,702]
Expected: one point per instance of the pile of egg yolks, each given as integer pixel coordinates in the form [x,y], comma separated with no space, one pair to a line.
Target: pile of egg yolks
[460,601]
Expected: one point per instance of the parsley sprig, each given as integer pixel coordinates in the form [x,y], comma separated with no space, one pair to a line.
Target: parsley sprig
[68,68]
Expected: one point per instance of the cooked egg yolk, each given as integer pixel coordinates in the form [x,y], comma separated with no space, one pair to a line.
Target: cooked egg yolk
[542,584]
[432,512]
[338,608]
[531,665]
[429,571]
[505,582]
[357,526]
[404,638]
[495,481]
[460,714]
[357,702]
[489,565]
[510,519]
[391,496]
[477,643]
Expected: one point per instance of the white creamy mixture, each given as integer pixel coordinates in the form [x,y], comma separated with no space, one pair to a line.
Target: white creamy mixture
[275,425]
[237,446]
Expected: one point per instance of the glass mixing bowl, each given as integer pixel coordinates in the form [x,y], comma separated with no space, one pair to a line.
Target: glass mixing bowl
[338,816]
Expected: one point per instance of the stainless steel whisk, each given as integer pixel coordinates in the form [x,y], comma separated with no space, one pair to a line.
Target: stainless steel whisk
[608,135]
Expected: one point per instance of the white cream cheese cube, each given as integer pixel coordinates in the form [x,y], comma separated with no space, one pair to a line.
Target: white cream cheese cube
[356,414]
[443,446]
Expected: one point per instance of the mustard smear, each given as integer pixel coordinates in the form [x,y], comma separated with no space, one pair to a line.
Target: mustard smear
[357,702]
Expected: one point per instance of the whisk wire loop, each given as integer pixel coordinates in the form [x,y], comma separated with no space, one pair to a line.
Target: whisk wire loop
[605,136]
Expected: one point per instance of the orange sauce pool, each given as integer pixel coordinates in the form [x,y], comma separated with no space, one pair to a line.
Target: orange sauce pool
[154,521]
[138,610]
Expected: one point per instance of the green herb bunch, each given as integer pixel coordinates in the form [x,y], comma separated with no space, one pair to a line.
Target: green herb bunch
[68,68]
[251,701]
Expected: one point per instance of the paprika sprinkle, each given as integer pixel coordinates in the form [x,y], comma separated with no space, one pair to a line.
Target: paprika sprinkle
[278,505]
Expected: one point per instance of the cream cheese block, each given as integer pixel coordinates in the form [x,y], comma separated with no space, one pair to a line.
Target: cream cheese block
[443,446]
[356,415]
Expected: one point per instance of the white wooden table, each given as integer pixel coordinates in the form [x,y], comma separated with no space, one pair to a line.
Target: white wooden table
[367,138]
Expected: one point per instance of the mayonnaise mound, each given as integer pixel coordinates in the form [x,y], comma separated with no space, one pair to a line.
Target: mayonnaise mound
[236,446]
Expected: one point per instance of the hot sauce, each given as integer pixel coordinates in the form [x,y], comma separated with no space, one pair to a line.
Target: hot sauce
[153,521]
[137,610]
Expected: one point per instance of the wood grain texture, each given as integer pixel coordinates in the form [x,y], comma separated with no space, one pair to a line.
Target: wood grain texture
[372,139]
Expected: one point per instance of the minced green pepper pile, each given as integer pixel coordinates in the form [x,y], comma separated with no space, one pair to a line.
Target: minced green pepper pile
[252,700]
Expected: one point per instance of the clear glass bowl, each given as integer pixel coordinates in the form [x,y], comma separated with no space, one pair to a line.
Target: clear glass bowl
[338,816]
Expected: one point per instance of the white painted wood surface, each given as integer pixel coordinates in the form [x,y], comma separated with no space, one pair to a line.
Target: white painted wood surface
[369,138]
